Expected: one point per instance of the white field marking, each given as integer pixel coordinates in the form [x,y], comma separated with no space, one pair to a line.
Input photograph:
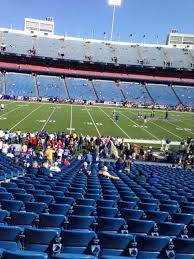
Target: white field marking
[71,120]
[161,127]
[93,121]
[10,111]
[48,119]
[114,122]
[24,118]
[3,118]
[139,126]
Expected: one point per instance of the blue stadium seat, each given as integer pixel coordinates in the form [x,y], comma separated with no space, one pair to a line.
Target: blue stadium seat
[51,221]
[44,198]
[11,205]
[36,207]
[24,197]
[141,226]
[157,216]
[80,222]
[82,210]
[9,238]
[191,230]
[5,196]
[77,242]
[41,240]
[171,229]
[131,214]
[110,224]
[22,219]
[65,200]
[24,255]
[152,246]
[182,218]
[62,209]
[3,215]
[87,202]
[184,248]
[107,212]
[105,203]
[113,245]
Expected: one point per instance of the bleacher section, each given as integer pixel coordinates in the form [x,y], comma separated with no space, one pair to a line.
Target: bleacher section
[20,85]
[108,91]
[52,87]
[186,95]
[135,93]
[95,50]
[162,95]
[80,89]
[72,215]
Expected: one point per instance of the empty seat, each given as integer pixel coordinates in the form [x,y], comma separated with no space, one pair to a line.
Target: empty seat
[44,198]
[36,207]
[77,242]
[170,229]
[110,224]
[53,221]
[41,240]
[62,209]
[9,185]
[9,237]
[23,197]
[87,202]
[80,222]
[11,205]
[140,226]
[5,196]
[157,216]
[191,230]
[126,205]
[182,218]
[107,212]
[184,248]
[3,216]
[22,218]
[147,206]
[131,214]
[65,200]
[169,208]
[114,244]
[24,255]
[105,203]
[82,210]
[151,246]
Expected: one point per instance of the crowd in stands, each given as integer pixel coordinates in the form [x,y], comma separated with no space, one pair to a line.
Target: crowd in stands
[54,149]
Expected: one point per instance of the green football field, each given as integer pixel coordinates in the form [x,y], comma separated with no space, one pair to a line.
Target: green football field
[94,120]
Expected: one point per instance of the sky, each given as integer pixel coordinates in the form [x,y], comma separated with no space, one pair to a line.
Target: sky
[92,18]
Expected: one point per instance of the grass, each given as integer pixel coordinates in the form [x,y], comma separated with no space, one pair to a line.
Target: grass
[94,120]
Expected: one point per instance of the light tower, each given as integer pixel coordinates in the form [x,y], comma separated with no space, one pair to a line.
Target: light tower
[113,3]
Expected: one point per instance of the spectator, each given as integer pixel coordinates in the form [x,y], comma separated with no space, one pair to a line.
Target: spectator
[153,178]
[55,168]
[119,165]
[85,170]
[89,158]
[104,172]
[45,170]
[33,169]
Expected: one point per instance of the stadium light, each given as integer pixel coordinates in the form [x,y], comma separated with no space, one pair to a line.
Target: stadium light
[113,3]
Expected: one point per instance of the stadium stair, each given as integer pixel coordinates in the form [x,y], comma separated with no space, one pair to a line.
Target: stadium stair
[66,89]
[152,99]
[176,95]
[96,94]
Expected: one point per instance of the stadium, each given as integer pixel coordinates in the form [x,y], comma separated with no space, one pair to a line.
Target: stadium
[96,142]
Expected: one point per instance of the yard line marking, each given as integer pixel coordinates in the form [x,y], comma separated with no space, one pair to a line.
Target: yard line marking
[160,127]
[71,119]
[24,118]
[10,111]
[93,121]
[114,122]
[139,125]
[48,119]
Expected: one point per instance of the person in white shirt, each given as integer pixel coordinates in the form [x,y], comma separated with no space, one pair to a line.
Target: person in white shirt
[55,168]
[5,148]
